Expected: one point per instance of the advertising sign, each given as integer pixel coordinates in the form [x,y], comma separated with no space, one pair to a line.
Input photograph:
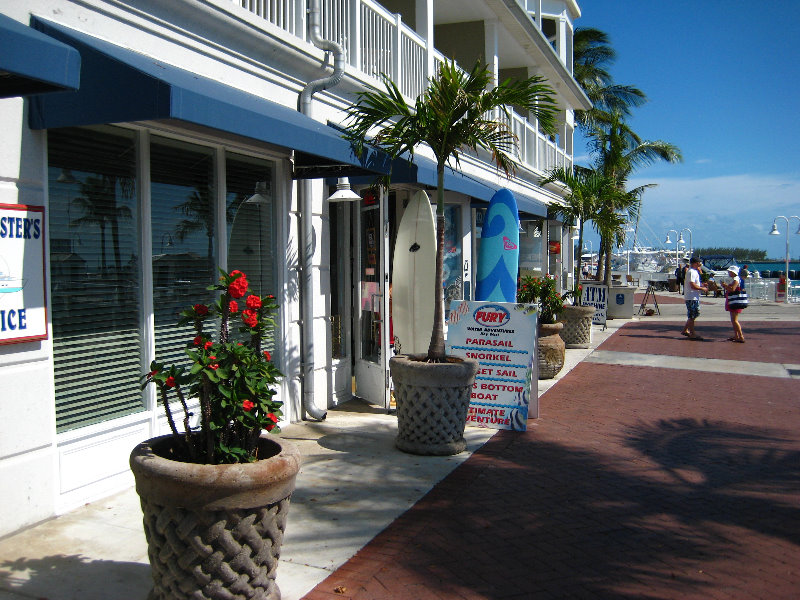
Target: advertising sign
[595,294]
[502,338]
[23,317]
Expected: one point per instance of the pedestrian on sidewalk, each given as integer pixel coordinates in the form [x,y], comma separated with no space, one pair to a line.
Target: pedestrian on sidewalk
[735,301]
[691,295]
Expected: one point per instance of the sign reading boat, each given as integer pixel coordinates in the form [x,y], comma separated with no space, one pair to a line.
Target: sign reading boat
[22,301]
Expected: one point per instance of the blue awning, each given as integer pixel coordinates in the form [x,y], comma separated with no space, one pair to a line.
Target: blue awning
[34,63]
[423,171]
[120,85]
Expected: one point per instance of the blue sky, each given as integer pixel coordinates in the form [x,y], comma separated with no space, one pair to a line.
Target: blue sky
[723,82]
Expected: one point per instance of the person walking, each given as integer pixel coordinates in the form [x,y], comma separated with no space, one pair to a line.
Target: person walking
[735,302]
[691,295]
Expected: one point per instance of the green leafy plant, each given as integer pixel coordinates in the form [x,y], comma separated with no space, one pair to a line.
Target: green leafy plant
[235,381]
[542,292]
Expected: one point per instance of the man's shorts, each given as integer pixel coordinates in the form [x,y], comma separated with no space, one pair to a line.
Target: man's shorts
[692,309]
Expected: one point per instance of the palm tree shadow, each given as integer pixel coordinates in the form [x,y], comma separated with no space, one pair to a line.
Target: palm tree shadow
[742,468]
[590,525]
[73,576]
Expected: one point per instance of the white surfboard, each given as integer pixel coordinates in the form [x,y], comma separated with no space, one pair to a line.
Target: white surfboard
[413,273]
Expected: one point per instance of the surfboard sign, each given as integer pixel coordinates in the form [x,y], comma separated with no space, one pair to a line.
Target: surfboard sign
[498,256]
[414,277]
[502,338]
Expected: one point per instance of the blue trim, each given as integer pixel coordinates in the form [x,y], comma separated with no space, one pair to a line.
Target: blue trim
[34,63]
[119,85]
[423,171]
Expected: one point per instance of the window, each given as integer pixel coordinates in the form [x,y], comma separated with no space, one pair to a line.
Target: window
[95,274]
[96,269]
[182,220]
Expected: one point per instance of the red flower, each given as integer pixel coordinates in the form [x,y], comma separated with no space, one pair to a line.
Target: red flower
[267,355]
[198,340]
[238,287]
[213,367]
[170,382]
[200,310]
[233,307]
[250,318]
[152,373]
[212,358]
[253,302]
[247,405]
[208,345]
[274,419]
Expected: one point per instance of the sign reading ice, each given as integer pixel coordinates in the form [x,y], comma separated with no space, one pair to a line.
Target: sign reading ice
[502,338]
[22,303]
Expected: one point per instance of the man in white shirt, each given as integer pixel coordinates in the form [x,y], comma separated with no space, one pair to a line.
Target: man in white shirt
[691,294]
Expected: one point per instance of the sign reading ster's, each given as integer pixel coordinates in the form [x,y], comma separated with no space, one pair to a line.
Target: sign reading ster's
[502,338]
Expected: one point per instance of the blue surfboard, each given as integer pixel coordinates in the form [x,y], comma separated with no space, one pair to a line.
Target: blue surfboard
[498,257]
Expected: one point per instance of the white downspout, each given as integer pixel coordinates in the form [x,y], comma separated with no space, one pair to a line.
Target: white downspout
[306,223]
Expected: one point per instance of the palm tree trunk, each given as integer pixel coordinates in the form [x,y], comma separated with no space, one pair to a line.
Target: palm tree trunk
[436,351]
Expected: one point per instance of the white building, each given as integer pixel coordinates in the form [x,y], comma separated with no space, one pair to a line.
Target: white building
[163,139]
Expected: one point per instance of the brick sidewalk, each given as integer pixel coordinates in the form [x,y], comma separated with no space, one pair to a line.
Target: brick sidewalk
[634,483]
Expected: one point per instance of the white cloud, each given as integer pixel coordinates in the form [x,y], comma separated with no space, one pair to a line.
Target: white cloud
[735,210]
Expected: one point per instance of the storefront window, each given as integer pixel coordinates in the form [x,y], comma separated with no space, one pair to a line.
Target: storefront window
[183,223]
[95,274]
[530,249]
[250,216]
[453,257]
[96,268]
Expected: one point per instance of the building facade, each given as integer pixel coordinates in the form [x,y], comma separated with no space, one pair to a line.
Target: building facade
[149,143]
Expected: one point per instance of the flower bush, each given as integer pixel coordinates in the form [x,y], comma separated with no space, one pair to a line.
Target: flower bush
[234,381]
[542,292]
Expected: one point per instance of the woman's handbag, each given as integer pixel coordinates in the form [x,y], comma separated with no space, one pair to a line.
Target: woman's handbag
[737,299]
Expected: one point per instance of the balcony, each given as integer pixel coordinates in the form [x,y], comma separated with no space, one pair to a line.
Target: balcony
[377,41]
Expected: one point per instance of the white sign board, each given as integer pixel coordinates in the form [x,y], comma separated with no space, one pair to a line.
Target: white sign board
[595,294]
[502,338]
[23,317]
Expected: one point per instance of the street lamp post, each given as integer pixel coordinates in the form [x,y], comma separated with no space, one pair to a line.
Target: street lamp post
[776,232]
[677,241]
[591,253]
[680,241]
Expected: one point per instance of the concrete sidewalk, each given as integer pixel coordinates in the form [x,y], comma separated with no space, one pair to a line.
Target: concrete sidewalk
[629,485]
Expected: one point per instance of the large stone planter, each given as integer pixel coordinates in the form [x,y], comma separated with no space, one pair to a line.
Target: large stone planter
[551,350]
[214,531]
[432,403]
[577,330]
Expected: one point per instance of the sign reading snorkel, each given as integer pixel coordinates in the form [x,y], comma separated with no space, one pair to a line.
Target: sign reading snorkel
[502,338]
[22,303]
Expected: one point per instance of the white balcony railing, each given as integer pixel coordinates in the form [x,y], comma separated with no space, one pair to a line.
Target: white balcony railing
[376,41]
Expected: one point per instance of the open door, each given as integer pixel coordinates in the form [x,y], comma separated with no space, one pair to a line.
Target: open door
[371,293]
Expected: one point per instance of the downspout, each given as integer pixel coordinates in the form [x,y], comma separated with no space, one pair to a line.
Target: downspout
[306,224]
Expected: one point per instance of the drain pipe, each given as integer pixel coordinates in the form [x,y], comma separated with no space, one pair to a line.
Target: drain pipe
[306,225]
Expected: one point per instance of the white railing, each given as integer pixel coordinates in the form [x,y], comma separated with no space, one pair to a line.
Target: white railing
[285,14]
[377,42]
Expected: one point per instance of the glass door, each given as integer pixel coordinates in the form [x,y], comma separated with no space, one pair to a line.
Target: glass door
[372,310]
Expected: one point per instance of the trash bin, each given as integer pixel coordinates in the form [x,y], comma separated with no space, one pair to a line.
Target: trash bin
[672,283]
[620,302]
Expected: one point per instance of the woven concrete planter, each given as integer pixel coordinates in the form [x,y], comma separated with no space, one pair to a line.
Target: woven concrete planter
[214,531]
[577,331]
[432,403]
[550,349]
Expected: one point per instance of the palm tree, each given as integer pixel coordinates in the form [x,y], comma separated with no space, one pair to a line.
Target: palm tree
[582,204]
[618,151]
[457,112]
[99,204]
[592,54]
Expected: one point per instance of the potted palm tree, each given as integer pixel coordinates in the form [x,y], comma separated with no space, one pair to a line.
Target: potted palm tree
[458,112]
